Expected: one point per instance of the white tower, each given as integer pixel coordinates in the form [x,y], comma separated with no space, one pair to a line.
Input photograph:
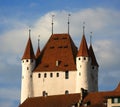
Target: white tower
[28,65]
[83,66]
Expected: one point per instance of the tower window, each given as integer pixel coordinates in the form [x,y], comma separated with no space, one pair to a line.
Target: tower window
[27,68]
[93,67]
[57,74]
[27,60]
[39,75]
[79,58]
[84,58]
[66,74]
[32,60]
[45,75]
[51,74]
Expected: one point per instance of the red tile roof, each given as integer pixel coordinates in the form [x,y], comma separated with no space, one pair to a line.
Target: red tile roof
[83,50]
[29,53]
[52,101]
[59,49]
[92,55]
[99,98]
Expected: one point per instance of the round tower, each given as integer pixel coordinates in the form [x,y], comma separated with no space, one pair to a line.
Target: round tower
[83,66]
[28,65]
[94,70]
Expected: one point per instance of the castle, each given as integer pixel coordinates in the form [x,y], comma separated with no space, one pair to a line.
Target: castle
[59,69]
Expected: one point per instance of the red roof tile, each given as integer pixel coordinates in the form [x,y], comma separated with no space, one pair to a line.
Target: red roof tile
[28,53]
[59,49]
[99,98]
[52,101]
[92,55]
[83,50]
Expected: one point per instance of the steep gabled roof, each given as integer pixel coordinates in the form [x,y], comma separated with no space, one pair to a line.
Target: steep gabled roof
[92,55]
[83,50]
[52,101]
[59,54]
[98,99]
[29,53]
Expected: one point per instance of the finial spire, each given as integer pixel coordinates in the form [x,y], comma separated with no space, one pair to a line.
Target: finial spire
[52,23]
[83,28]
[69,22]
[90,38]
[29,32]
[38,40]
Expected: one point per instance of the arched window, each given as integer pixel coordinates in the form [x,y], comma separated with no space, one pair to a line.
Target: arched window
[39,75]
[45,75]
[51,74]
[66,92]
[66,74]
[57,75]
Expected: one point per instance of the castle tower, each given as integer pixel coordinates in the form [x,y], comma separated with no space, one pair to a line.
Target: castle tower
[83,65]
[28,65]
[94,70]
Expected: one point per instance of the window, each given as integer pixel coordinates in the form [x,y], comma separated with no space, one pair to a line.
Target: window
[116,100]
[93,67]
[51,74]
[66,74]
[27,60]
[44,93]
[27,68]
[39,75]
[32,60]
[66,92]
[84,58]
[45,75]
[57,75]
[79,58]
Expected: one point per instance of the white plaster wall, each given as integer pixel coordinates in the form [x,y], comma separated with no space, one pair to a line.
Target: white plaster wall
[83,68]
[110,104]
[53,85]
[26,84]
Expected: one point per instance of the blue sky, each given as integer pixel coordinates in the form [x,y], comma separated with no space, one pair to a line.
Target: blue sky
[101,17]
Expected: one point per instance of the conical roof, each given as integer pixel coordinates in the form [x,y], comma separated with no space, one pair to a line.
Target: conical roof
[92,55]
[29,53]
[83,50]
[38,52]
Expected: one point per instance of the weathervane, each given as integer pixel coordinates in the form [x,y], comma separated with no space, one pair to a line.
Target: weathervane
[52,23]
[90,38]
[83,28]
[69,22]
[29,32]
[38,40]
